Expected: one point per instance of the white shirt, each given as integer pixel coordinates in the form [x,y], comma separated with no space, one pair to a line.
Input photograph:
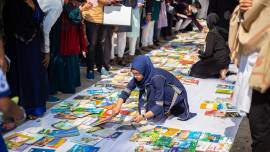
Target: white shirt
[243,92]
[52,10]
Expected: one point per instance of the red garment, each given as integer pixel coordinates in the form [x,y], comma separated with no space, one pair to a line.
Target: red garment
[73,41]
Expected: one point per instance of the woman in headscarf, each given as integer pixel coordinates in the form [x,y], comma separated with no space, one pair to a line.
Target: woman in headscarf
[70,42]
[161,93]
[215,59]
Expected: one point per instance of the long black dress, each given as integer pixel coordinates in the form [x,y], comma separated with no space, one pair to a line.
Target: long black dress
[215,58]
[24,40]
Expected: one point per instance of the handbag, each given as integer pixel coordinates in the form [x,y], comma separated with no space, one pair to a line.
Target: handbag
[247,31]
[117,15]
[252,34]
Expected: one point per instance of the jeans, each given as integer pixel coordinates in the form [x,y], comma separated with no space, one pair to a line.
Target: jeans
[96,37]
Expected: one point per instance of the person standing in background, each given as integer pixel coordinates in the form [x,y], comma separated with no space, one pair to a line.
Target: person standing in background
[108,46]
[52,10]
[7,107]
[252,89]
[95,32]
[24,44]
[203,12]
[162,22]
[152,10]
[134,35]
[65,73]
[123,31]
[167,31]
[224,9]
[3,61]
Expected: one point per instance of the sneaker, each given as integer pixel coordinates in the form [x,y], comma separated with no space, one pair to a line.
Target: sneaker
[104,71]
[90,75]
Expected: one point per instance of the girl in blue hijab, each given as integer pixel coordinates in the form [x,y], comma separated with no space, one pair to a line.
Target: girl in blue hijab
[161,94]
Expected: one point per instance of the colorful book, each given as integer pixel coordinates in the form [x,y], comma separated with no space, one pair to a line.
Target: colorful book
[86,139]
[65,133]
[41,150]
[83,148]
[64,125]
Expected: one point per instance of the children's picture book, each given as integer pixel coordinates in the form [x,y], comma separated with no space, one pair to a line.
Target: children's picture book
[44,141]
[64,125]
[225,86]
[45,131]
[65,133]
[189,80]
[83,148]
[171,132]
[215,113]
[202,146]
[183,134]
[210,137]
[194,135]
[20,148]
[80,114]
[35,138]
[94,128]
[210,105]
[163,141]
[41,150]
[56,143]
[145,128]
[17,139]
[65,116]
[224,91]
[104,133]
[95,91]
[87,139]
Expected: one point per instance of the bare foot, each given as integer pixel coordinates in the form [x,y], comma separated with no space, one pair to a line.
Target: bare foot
[223,74]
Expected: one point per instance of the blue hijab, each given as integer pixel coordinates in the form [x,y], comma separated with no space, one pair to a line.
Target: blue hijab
[144,65]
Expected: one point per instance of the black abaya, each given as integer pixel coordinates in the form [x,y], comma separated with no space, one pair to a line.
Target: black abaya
[215,58]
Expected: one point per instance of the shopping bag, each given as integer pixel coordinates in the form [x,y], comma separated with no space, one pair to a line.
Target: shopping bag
[117,15]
